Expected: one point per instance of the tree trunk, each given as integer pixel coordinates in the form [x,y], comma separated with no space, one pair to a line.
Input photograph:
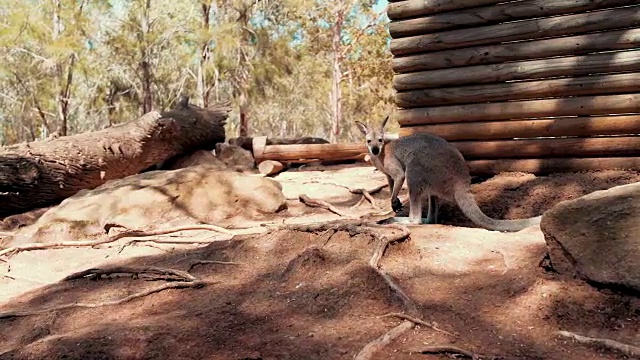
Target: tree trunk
[203,88]
[336,79]
[244,120]
[61,98]
[145,66]
[243,74]
[64,96]
[42,173]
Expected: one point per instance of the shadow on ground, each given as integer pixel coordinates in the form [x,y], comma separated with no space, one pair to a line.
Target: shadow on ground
[297,295]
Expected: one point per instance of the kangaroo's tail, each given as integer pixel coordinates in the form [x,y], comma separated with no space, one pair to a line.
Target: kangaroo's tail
[469,207]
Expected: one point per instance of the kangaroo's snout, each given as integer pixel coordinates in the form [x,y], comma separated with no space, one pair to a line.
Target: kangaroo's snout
[375,150]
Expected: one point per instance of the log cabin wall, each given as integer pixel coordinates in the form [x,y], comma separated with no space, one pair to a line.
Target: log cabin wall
[532,85]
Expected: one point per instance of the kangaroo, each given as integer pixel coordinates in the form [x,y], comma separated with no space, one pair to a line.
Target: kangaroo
[432,167]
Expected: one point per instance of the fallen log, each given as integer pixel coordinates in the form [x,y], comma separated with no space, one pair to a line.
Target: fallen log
[42,173]
[553,165]
[488,15]
[509,129]
[522,50]
[519,30]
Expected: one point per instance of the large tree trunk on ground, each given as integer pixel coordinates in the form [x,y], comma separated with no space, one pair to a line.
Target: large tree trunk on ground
[41,173]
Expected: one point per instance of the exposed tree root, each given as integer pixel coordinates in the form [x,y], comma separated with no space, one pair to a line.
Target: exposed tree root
[112,238]
[362,199]
[166,286]
[172,241]
[383,242]
[366,194]
[410,306]
[204,262]
[320,204]
[418,321]
[446,349]
[369,350]
[350,226]
[629,350]
[151,272]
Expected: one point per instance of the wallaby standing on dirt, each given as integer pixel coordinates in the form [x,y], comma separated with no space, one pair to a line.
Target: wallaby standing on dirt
[432,167]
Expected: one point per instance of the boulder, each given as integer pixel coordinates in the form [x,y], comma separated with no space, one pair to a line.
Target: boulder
[235,157]
[597,236]
[200,157]
[195,194]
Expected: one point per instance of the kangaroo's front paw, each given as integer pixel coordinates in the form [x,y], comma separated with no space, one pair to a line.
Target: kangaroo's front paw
[396,205]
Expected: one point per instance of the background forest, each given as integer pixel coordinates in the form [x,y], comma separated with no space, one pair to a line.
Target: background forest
[288,67]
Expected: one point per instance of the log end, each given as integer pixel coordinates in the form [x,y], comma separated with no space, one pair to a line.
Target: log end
[270,167]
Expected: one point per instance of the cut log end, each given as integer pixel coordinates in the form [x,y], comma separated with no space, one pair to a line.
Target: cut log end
[270,167]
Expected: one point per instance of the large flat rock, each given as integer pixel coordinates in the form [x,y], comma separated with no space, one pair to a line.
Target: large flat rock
[597,236]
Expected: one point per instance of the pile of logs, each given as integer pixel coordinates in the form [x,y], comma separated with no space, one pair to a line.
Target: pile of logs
[531,85]
[271,154]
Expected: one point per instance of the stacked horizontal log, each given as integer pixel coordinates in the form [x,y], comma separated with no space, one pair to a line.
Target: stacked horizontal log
[530,85]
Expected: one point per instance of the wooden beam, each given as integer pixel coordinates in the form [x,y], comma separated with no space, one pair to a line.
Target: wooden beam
[533,69]
[509,129]
[413,8]
[550,166]
[286,153]
[493,14]
[557,147]
[575,106]
[574,86]
[571,45]
[520,30]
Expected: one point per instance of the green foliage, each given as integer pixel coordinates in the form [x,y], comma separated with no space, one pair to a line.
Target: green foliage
[78,65]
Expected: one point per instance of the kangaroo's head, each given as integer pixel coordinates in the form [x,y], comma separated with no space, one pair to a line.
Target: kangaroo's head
[374,137]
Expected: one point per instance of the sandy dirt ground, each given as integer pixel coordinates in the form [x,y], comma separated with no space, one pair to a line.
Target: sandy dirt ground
[291,294]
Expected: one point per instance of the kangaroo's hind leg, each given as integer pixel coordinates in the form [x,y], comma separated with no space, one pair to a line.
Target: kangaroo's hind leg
[415,205]
[432,212]
[436,204]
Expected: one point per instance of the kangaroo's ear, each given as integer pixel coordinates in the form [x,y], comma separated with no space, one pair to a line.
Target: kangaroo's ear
[363,128]
[384,123]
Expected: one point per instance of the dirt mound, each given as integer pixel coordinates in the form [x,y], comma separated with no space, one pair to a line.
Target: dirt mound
[193,194]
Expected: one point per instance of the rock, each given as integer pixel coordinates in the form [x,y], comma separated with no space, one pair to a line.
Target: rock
[597,236]
[195,194]
[235,157]
[200,157]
